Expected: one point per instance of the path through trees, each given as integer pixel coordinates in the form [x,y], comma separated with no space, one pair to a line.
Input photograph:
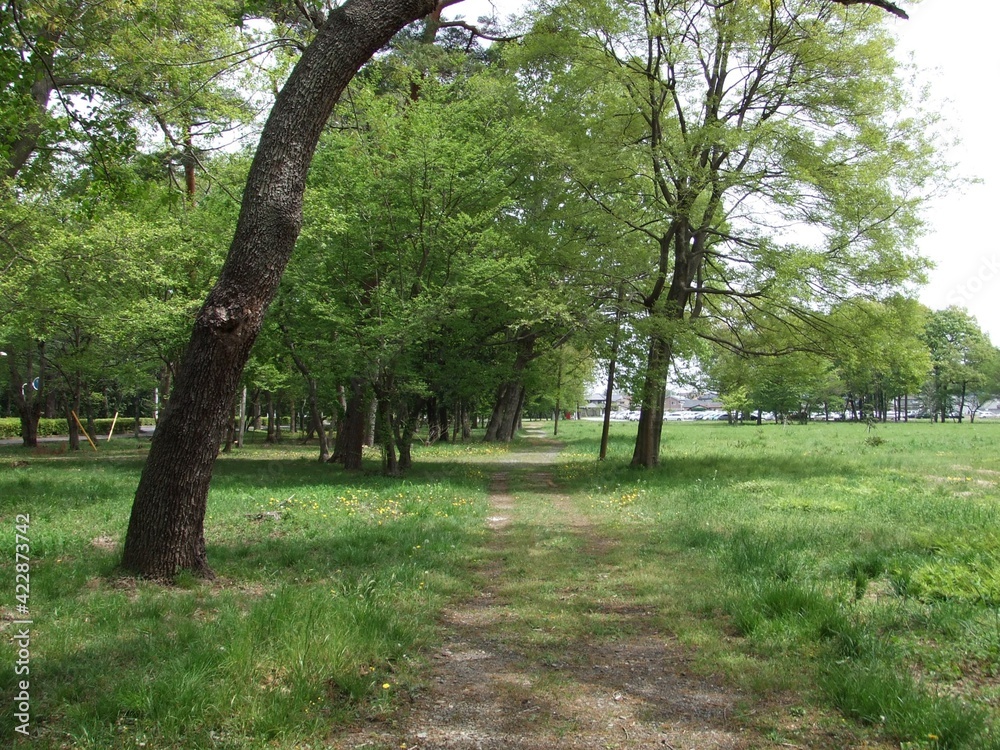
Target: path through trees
[554,651]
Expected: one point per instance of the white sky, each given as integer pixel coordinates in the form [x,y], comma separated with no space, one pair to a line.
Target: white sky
[952,43]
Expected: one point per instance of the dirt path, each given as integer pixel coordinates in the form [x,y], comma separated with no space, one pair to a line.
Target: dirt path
[505,679]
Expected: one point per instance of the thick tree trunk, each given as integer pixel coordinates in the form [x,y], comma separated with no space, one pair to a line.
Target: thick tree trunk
[29,403]
[29,415]
[510,395]
[29,411]
[41,60]
[351,435]
[166,527]
[647,442]
[434,427]
[506,413]
[466,421]
[404,429]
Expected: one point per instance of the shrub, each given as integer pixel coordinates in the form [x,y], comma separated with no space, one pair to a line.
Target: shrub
[10,427]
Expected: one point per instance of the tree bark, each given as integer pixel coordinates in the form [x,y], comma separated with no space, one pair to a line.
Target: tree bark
[166,528]
[510,395]
[654,390]
[28,402]
[351,435]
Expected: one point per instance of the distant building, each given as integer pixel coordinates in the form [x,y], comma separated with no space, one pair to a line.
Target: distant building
[595,403]
[675,404]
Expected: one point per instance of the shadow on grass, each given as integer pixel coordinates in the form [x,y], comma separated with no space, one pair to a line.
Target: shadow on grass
[299,632]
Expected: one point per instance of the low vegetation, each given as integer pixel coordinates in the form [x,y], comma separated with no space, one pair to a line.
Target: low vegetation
[857,572]
[826,575]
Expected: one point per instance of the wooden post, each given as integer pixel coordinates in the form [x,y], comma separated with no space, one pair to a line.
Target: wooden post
[112,430]
[83,430]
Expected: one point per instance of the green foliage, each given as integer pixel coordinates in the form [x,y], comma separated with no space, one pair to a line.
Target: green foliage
[963,362]
[745,165]
[10,427]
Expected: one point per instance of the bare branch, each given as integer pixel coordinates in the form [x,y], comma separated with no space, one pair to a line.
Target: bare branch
[476,31]
[883,4]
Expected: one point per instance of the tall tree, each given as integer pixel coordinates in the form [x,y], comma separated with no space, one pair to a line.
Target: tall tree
[961,358]
[709,128]
[166,527]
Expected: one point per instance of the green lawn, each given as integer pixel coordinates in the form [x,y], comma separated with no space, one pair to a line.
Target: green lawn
[855,573]
[856,567]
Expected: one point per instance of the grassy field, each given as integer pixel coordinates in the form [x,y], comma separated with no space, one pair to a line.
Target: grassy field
[856,567]
[855,570]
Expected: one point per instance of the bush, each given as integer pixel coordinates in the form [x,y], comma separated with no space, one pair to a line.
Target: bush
[10,427]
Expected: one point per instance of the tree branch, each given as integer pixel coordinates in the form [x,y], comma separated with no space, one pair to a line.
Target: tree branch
[883,4]
[476,31]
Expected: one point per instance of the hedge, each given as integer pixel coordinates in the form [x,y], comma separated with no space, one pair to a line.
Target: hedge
[10,427]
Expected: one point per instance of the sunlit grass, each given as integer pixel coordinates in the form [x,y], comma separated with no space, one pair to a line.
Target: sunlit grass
[328,588]
[873,567]
[800,560]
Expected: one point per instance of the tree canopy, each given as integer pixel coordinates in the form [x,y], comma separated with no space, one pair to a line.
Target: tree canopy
[627,181]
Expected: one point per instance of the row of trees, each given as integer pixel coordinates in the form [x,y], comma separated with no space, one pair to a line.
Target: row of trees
[880,361]
[422,284]
[625,174]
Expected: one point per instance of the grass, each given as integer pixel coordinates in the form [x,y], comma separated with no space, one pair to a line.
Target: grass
[814,568]
[328,586]
[862,574]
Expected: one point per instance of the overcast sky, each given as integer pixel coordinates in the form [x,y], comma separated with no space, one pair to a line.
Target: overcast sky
[953,44]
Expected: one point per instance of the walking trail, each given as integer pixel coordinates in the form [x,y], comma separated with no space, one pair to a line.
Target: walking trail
[517,673]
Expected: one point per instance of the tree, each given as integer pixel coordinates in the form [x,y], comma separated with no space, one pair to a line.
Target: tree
[85,81]
[707,128]
[880,353]
[988,385]
[85,74]
[961,358]
[166,526]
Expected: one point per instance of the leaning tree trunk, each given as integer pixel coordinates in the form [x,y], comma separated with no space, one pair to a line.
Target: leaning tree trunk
[510,395]
[166,527]
[506,411]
